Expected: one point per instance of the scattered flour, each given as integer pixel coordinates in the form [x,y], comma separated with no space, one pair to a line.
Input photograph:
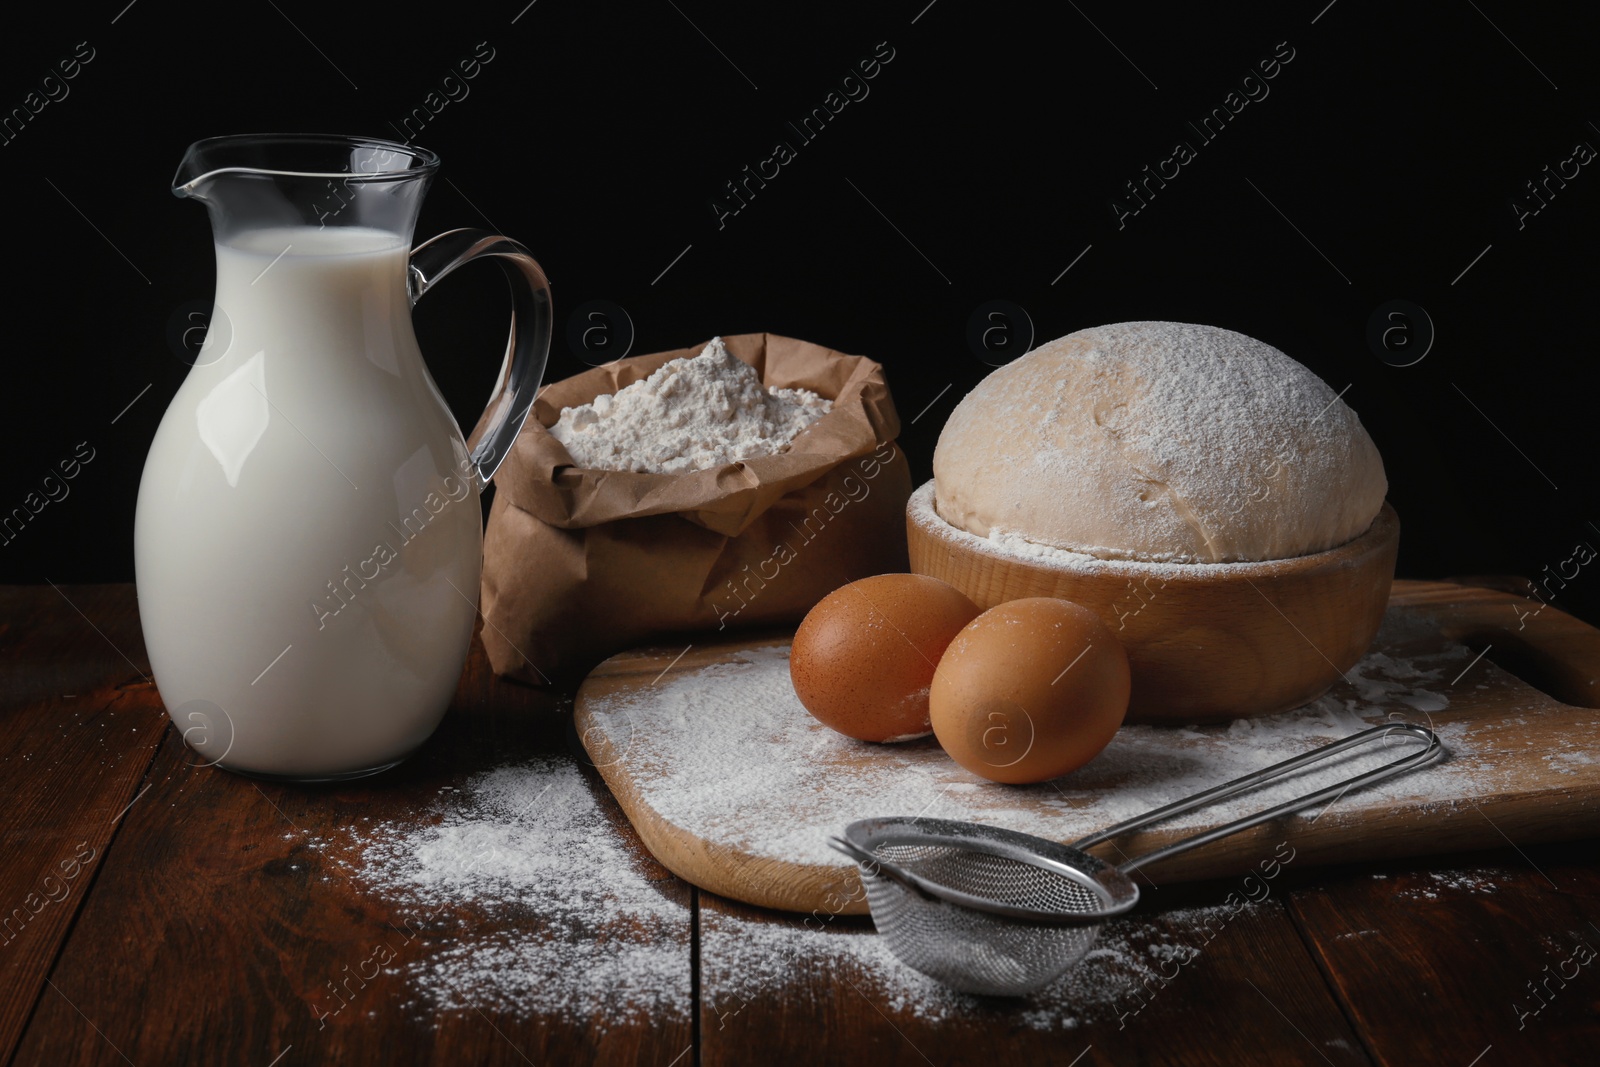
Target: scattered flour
[1570,762]
[1440,883]
[596,941]
[593,936]
[528,902]
[728,753]
[691,414]
[744,959]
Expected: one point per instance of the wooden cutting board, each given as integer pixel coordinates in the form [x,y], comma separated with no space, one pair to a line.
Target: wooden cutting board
[736,789]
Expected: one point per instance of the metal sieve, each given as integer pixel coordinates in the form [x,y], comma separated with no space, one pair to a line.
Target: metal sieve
[996,912]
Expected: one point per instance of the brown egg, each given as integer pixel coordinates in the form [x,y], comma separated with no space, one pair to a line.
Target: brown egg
[864,657]
[1030,690]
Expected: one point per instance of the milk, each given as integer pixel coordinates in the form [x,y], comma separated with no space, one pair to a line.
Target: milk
[308,541]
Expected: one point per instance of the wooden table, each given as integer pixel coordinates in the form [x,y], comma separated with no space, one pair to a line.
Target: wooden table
[157,912]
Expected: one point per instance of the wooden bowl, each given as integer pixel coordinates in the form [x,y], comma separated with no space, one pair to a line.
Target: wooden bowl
[1205,641]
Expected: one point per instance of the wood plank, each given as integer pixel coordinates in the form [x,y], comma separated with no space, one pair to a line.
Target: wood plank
[1193,982]
[1519,755]
[227,912]
[1475,959]
[78,728]
[1557,653]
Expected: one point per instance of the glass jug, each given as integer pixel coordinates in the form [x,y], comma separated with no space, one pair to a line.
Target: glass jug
[308,538]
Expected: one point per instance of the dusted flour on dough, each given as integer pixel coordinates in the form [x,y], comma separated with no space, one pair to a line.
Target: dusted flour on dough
[691,414]
[1162,442]
[921,509]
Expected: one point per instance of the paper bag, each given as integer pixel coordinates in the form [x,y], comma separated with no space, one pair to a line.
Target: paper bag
[579,564]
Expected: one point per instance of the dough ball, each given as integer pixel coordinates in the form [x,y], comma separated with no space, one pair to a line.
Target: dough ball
[1159,441]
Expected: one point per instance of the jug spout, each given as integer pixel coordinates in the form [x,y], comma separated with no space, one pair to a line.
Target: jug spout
[287,180]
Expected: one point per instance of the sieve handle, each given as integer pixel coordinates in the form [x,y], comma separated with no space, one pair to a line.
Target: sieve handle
[1249,781]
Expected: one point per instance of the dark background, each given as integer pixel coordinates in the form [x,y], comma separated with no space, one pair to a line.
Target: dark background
[981,164]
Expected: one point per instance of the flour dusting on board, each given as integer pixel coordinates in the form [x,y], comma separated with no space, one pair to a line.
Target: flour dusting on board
[733,757]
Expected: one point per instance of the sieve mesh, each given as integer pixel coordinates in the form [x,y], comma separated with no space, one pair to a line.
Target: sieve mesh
[1001,879]
[972,950]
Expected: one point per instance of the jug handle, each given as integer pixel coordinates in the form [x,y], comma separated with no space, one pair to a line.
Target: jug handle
[527,347]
